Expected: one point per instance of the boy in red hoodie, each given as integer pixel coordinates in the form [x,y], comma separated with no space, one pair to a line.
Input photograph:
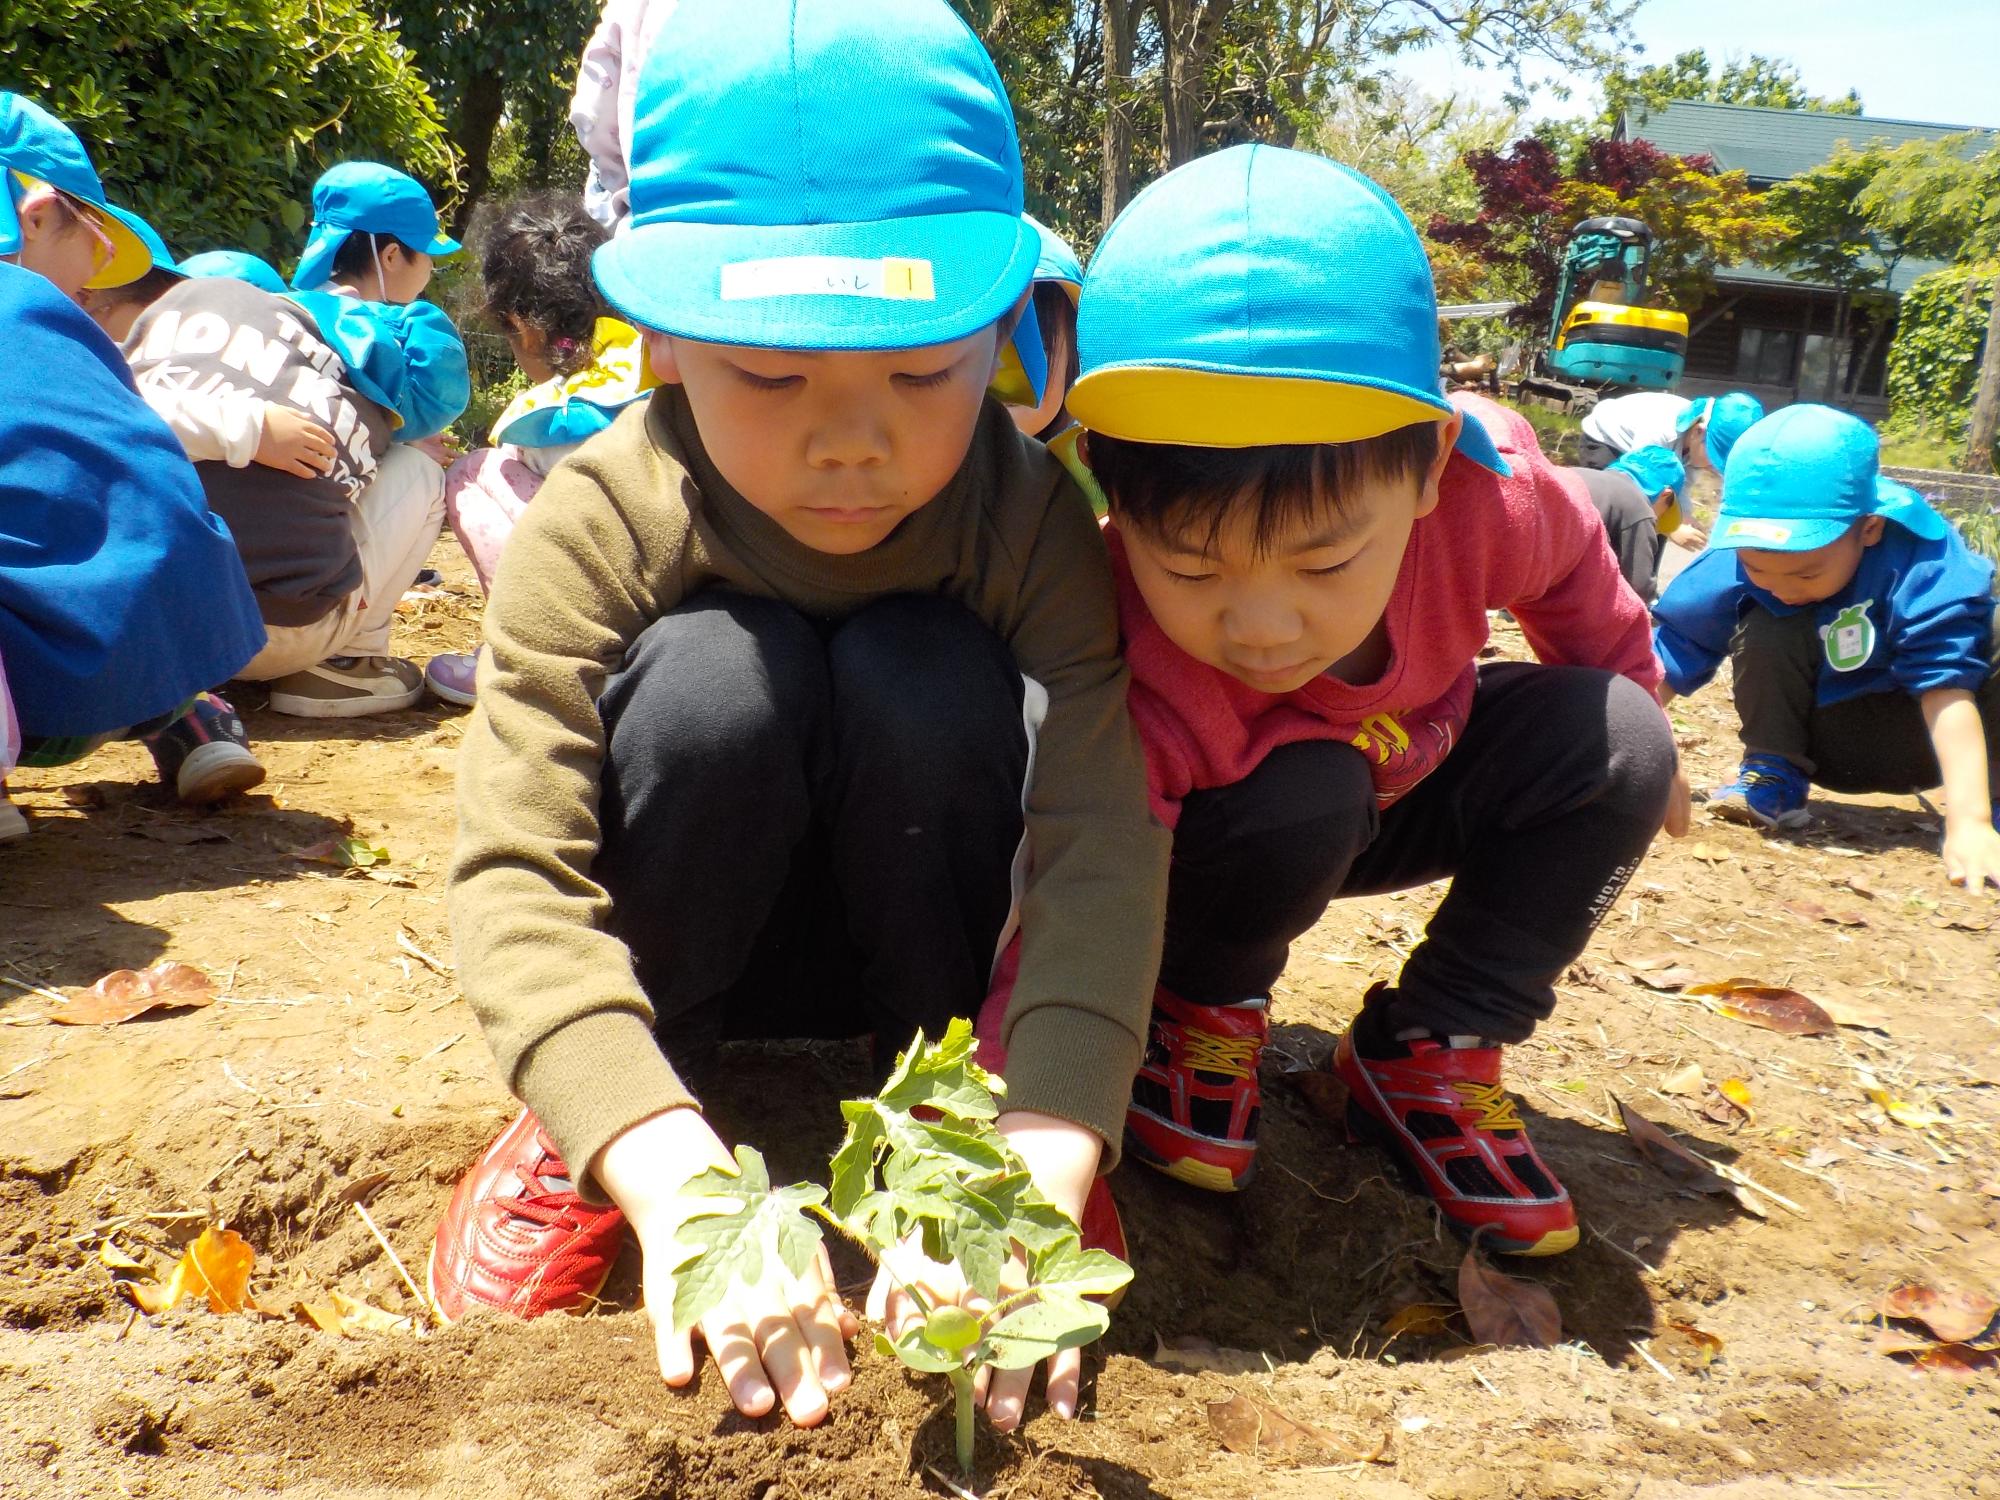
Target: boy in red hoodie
[1307,540]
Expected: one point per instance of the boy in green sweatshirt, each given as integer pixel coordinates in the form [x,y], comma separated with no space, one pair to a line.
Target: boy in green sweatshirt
[768,662]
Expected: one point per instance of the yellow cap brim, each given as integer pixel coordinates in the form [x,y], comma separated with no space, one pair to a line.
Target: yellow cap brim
[1216,409]
[1670,518]
[130,259]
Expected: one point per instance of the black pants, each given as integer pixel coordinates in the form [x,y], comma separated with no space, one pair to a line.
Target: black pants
[810,830]
[1540,814]
[1875,743]
[1631,526]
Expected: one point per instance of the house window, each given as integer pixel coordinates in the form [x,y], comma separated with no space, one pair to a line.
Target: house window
[1814,377]
[1766,356]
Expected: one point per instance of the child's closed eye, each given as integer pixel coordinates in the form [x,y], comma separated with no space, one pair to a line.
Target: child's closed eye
[767,382]
[931,381]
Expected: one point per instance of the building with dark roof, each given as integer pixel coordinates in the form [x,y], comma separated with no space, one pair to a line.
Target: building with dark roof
[1774,332]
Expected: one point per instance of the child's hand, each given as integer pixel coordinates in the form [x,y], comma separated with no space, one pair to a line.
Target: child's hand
[1972,854]
[781,1340]
[1691,537]
[293,443]
[1062,1159]
[439,449]
[1680,804]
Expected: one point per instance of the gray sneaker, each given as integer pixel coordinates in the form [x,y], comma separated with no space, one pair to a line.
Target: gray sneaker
[349,687]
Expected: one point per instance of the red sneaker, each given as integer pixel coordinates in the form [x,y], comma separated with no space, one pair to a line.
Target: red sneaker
[518,1238]
[1103,1229]
[1195,1102]
[1443,1116]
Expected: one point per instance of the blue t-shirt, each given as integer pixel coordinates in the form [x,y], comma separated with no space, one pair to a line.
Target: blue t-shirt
[121,596]
[1917,615]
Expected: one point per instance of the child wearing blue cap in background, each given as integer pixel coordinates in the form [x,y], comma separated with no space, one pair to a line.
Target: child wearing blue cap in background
[238,265]
[1308,538]
[374,234]
[765,665]
[1638,497]
[121,600]
[586,365]
[1058,285]
[298,410]
[1860,632]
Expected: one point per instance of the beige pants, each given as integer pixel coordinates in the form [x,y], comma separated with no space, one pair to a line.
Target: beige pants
[396,523]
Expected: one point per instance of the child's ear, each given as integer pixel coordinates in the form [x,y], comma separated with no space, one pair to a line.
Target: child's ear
[660,355]
[1428,496]
[1871,530]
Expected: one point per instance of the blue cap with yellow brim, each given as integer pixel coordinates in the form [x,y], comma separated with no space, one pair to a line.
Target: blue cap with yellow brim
[38,149]
[1257,297]
[1727,417]
[1656,471]
[820,175]
[1797,481]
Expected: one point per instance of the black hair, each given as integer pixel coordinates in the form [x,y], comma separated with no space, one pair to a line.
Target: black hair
[536,268]
[1055,313]
[1185,494]
[355,258]
[147,290]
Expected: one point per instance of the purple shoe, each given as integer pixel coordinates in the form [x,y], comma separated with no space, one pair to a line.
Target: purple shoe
[451,676]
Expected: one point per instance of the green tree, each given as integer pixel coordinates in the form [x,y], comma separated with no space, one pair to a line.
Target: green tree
[489,59]
[1769,83]
[212,118]
[1939,200]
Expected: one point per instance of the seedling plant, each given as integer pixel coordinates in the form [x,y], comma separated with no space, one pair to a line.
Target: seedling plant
[922,1158]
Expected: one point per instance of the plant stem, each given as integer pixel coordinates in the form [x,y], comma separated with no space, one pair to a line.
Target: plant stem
[961,1388]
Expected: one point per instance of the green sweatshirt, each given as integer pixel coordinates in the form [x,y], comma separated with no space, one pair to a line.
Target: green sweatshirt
[639,520]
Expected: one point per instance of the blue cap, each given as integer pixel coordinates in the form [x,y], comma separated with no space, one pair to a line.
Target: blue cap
[820,174]
[34,144]
[163,258]
[1654,469]
[1262,296]
[1798,479]
[1057,261]
[367,197]
[237,265]
[1728,418]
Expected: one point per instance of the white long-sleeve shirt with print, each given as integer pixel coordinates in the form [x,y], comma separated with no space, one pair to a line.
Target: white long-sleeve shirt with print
[601,110]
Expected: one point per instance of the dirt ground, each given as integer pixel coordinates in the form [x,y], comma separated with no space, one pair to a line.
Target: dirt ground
[342,1066]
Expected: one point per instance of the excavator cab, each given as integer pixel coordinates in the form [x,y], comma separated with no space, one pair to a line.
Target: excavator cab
[1601,334]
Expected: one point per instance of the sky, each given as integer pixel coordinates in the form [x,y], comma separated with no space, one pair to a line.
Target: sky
[1930,60]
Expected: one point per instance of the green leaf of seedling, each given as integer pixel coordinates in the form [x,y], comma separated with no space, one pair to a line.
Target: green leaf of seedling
[943,1076]
[1031,1334]
[1039,1225]
[919,1353]
[1070,1270]
[854,1163]
[726,1243]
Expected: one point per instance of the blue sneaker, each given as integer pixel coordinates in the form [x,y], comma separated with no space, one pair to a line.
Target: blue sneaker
[1768,792]
[204,755]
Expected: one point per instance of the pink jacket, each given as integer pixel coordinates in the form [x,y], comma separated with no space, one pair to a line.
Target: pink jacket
[1529,543]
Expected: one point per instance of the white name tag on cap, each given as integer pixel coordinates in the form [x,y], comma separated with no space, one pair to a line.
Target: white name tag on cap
[889,279]
[1763,531]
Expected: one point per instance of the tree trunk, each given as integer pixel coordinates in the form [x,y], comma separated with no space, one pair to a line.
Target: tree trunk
[1117,174]
[1188,30]
[1834,347]
[478,121]
[1986,406]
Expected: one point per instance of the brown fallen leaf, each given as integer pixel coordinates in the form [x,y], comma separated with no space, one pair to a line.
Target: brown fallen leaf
[1854,1013]
[1247,1425]
[1688,1346]
[1730,1104]
[1197,1356]
[1914,1116]
[216,1265]
[125,993]
[1812,911]
[348,852]
[1962,923]
[1503,1310]
[1681,1164]
[1770,1006]
[1860,887]
[1325,1093]
[1708,854]
[1667,980]
[365,1317]
[1954,1315]
[1420,1320]
[1957,1360]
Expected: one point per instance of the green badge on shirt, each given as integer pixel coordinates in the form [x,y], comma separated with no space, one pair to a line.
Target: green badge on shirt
[1850,639]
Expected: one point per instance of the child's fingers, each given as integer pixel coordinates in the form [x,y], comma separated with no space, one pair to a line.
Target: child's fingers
[1007,1398]
[675,1350]
[822,1268]
[877,1306]
[734,1351]
[818,1318]
[1065,1378]
[789,1364]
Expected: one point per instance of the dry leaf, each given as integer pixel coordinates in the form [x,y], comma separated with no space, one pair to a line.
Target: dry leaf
[125,993]
[348,853]
[110,1255]
[1962,923]
[1667,980]
[1197,1356]
[1951,1359]
[1860,887]
[1688,1346]
[368,1318]
[1420,1320]
[1679,1163]
[1957,1317]
[1325,1093]
[1502,1310]
[1812,911]
[216,1265]
[1688,1080]
[1770,1006]
[1708,854]
[323,1316]
[1732,1103]
[1247,1425]
[1915,1116]
[1854,1013]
